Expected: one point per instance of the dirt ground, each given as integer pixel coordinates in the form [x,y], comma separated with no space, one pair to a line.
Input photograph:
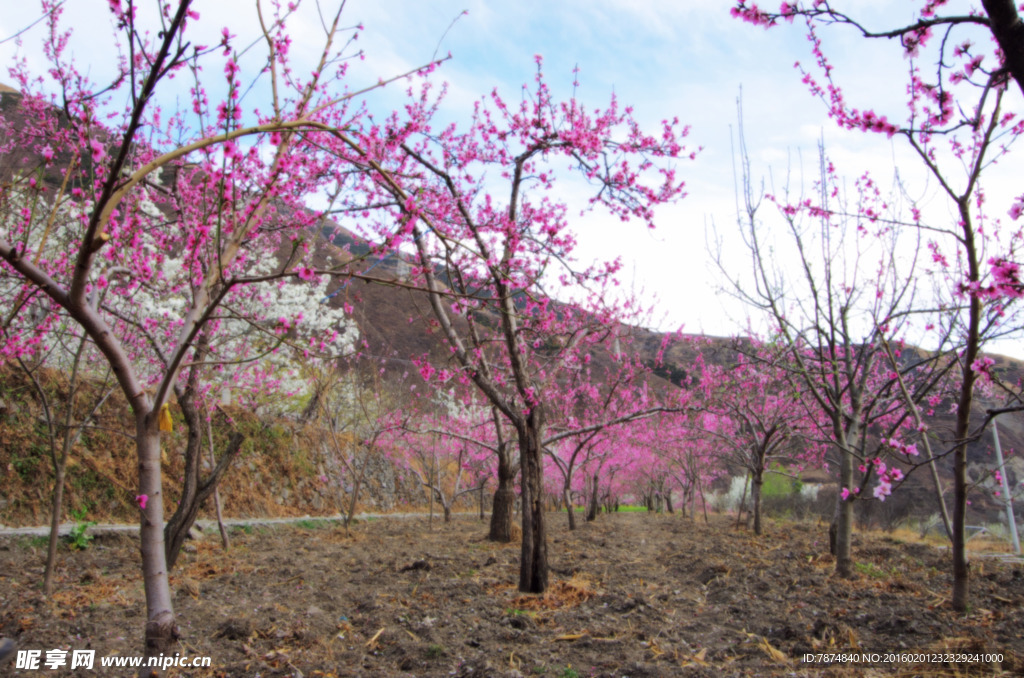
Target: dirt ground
[633,595]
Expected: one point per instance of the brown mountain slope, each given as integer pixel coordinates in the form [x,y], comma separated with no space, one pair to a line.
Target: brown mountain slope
[396,323]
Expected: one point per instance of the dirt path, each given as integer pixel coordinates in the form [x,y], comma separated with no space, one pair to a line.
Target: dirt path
[204,524]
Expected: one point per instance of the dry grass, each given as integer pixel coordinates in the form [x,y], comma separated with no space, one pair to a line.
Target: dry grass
[985,543]
[560,595]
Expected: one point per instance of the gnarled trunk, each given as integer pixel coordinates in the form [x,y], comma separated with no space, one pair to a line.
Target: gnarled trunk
[504,500]
[569,508]
[743,501]
[194,493]
[533,565]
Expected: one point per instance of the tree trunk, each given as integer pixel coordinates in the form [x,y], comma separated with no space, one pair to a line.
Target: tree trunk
[430,491]
[504,501]
[668,501]
[569,507]
[224,539]
[743,501]
[193,494]
[60,463]
[354,499]
[704,506]
[161,628]
[1001,12]
[533,565]
[60,466]
[480,497]
[594,505]
[961,568]
[755,498]
[1008,31]
[176,530]
[940,497]
[55,513]
[447,506]
[833,531]
[843,519]
[181,522]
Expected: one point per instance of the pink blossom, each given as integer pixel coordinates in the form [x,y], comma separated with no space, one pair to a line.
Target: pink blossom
[974,65]
[142,499]
[982,366]
[1017,209]
[751,14]
[98,152]
[1007,277]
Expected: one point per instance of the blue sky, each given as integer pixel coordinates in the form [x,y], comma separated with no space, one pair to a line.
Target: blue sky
[685,58]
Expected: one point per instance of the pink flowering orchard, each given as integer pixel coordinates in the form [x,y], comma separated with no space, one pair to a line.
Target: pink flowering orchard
[830,318]
[758,418]
[200,208]
[593,409]
[492,252]
[155,221]
[962,116]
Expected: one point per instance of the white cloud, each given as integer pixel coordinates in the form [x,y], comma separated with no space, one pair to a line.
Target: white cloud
[664,57]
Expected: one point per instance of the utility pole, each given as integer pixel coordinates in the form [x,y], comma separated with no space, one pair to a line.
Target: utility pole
[1006,491]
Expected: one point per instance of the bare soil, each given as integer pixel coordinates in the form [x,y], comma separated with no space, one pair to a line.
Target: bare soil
[632,595]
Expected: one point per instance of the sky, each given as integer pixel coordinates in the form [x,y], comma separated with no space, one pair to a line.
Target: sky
[667,58]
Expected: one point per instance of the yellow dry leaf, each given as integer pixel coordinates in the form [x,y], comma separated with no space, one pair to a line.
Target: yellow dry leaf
[373,641]
[775,654]
[698,658]
[570,636]
[166,423]
[852,638]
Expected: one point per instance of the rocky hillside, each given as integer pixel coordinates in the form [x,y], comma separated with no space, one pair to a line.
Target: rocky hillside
[282,469]
[282,463]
